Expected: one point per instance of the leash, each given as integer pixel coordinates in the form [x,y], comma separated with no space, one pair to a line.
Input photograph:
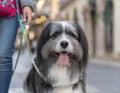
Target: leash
[24,32]
[33,62]
[21,34]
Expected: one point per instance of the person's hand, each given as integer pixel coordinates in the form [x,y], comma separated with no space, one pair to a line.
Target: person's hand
[27,14]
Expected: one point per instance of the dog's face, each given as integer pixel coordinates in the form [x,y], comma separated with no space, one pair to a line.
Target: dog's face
[63,42]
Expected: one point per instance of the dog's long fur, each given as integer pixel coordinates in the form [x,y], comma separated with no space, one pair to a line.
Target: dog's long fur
[67,77]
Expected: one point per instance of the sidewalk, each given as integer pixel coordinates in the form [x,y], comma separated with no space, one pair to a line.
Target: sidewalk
[110,62]
[104,75]
[20,74]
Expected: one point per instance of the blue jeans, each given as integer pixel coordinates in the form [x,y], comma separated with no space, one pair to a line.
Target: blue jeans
[8,31]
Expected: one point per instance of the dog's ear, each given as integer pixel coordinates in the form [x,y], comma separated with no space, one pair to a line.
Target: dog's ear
[44,36]
[83,41]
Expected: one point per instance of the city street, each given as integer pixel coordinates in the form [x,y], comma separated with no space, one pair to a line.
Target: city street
[20,74]
[102,76]
[67,22]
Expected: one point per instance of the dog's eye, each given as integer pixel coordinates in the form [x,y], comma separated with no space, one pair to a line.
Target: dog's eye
[55,34]
[71,34]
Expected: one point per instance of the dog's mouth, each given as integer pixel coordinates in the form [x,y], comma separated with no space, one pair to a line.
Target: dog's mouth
[63,56]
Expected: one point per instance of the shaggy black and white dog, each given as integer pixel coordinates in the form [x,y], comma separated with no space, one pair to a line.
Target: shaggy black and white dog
[62,58]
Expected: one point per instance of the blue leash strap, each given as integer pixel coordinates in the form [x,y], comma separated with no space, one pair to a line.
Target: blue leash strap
[33,62]
[22,28]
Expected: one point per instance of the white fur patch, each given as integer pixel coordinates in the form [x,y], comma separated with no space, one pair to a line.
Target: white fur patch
[61,76]
[67,89]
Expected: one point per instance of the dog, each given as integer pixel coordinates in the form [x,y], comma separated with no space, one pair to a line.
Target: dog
[61,57]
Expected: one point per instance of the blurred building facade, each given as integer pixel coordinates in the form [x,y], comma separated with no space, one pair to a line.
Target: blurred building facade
[100,19]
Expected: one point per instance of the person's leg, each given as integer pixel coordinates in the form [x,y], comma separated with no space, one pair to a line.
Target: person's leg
[8,30]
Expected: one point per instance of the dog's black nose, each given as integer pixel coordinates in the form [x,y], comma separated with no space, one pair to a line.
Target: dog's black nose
[64,44]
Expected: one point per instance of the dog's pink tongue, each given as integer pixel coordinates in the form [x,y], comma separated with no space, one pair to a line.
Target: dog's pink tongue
[63,58]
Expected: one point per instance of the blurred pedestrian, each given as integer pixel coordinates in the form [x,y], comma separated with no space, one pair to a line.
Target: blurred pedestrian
[8,30]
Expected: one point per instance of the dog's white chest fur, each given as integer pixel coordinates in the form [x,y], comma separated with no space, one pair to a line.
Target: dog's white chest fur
[61,76]
[67,89]
[63,83]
